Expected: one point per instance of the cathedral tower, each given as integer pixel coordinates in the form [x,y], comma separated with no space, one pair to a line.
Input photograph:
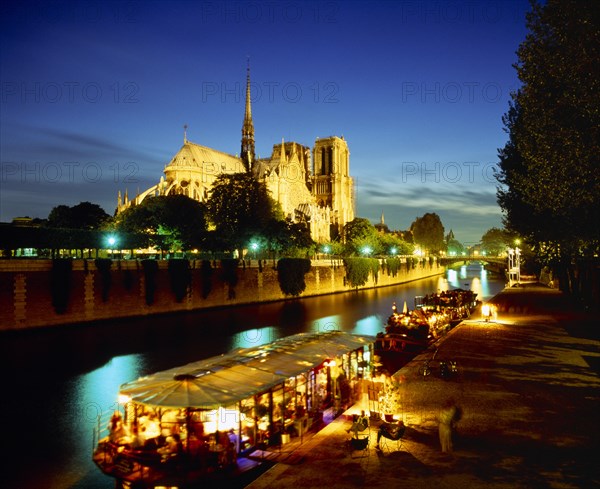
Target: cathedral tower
[333,186]
[247,152]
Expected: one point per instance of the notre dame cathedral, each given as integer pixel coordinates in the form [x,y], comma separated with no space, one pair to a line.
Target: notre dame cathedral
[312,187]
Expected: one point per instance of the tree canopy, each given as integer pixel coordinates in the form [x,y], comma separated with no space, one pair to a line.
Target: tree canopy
[240,208]
[171,221]
[84,215]
[494,241]
[361,235]
[549,168]
[428,232]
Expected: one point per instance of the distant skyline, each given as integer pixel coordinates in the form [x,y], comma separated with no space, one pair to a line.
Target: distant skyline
[95,95]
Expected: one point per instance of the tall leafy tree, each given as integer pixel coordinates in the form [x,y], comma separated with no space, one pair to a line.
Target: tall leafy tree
[360,234]
[549,168]
[171,221]
[240,207]
[287,237]
[428,232]
[84,215]
[494,241]
[389,242]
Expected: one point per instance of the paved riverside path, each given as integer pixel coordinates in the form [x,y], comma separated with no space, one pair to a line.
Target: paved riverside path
[529,389]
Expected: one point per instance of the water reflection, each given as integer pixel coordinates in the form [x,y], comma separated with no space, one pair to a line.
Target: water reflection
[442,284]
[452,277]
[476,287]
[329,323]
[254,337]
[368,326]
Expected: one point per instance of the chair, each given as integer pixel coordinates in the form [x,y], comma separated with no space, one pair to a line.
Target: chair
[388,444]
[360,444]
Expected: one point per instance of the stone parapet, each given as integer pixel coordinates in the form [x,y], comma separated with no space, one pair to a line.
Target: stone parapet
[26,289]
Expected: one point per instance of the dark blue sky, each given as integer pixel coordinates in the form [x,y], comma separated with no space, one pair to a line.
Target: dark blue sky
[95,96]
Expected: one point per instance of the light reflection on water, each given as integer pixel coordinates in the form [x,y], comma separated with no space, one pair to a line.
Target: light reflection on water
[368,326]
[254,337]
[325,324]
[94,365]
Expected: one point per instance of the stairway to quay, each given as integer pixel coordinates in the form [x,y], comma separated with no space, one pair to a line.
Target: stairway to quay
[528,389]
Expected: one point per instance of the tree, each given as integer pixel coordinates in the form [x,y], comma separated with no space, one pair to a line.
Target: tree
[360,234]
[495,241]
[59,217]
[172,221]
[240,207]
[550,183]
[428,232]
[287,237]
[392,244]
[84,215]
[455,247]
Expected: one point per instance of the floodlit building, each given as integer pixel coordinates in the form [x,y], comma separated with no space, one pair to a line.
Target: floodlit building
[314,187]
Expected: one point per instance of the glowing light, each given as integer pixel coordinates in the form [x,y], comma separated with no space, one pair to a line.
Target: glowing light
[123,399]
[487,311]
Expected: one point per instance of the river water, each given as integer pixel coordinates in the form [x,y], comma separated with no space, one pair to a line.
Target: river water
[56,382]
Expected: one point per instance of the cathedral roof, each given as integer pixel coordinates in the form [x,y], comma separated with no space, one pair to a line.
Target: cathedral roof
[264,166]
[192,154]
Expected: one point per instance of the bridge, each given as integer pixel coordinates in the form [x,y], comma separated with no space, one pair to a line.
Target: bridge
[497,264]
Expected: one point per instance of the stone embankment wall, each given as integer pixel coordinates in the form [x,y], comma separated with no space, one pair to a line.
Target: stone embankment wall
[29,293]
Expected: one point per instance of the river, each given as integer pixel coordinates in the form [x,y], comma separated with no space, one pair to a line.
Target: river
[57,381]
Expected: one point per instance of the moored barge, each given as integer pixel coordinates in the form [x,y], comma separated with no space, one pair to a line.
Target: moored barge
[194,423]
[409,332]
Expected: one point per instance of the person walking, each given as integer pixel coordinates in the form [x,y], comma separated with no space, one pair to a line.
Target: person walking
[449,415]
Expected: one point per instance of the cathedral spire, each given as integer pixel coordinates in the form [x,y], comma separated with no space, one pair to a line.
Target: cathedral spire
[247,152]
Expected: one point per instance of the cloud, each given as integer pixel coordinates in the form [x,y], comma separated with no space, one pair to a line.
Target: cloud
[468,207]
[83,141]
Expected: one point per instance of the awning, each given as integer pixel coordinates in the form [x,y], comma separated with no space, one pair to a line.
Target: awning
[224,380]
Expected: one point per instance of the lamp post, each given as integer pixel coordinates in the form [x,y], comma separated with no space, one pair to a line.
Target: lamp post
[112,241]
[254,247]
[514,265]
[327,251]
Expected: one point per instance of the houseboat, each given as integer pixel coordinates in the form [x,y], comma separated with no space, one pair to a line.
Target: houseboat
[181,426]
[409,332]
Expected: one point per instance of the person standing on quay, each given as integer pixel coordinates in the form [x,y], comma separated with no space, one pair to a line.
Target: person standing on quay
[449,415]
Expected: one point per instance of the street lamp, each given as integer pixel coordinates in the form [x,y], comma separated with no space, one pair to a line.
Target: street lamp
[514,266]
[393,251]
[366,250]
[112,241]
[254,247]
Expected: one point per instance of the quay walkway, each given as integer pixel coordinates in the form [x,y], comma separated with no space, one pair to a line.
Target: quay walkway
[529,389]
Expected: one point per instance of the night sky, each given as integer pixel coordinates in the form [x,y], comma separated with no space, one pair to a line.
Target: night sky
[95,96]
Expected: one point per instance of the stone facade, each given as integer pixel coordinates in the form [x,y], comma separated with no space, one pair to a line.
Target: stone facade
[312,187]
